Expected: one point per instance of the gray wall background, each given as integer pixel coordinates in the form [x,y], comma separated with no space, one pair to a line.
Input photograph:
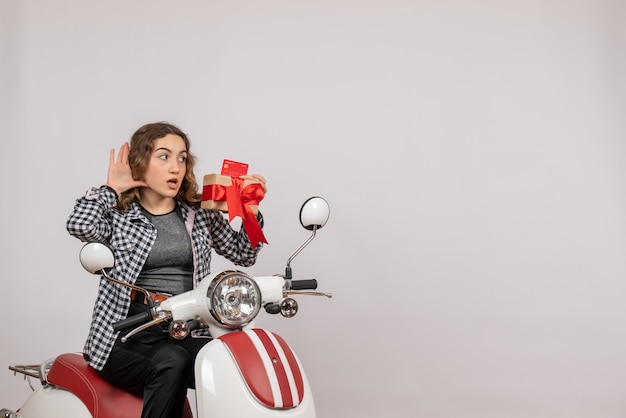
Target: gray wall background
[472,154]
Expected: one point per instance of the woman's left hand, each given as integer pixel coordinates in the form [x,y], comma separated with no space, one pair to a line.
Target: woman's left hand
[256,177]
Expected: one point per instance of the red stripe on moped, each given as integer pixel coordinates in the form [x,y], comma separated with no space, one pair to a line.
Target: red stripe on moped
[294,366]
[268,366]
[250,365]
[279,369]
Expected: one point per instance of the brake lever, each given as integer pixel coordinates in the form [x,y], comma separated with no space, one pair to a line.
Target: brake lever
[161,318]
[304,292]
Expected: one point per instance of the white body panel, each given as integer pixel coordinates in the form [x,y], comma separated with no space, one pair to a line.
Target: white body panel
[221,391]
[53,402]
[271,288]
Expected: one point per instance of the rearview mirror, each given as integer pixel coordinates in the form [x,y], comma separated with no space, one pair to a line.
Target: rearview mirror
[314,213]
[96,257]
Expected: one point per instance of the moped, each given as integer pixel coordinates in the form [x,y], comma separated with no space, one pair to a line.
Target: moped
[244,371]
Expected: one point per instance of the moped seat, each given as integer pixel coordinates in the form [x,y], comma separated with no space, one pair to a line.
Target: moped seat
[71,372]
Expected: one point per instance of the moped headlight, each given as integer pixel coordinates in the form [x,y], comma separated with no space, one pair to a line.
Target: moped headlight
[235,298]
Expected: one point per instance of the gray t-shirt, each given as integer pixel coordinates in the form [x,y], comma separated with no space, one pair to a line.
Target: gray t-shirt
[169,266]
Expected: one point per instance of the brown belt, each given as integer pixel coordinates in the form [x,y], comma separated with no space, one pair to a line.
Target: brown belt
[140,297]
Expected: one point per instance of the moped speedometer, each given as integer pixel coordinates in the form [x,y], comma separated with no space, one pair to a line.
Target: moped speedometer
[235,298]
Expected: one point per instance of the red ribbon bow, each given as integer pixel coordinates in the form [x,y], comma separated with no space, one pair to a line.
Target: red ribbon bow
[239,199]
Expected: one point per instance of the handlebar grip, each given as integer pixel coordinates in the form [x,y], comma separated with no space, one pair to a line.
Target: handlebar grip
[133,321]
[307,284]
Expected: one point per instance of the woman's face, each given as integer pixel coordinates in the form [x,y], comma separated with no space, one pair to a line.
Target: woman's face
[167,166]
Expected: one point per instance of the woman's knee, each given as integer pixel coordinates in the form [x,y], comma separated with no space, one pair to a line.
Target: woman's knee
[172,356]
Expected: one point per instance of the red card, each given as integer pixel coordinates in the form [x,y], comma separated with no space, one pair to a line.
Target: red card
[234,169]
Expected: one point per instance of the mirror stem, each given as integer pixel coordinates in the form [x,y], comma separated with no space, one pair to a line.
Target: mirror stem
[288,268]
[149,300]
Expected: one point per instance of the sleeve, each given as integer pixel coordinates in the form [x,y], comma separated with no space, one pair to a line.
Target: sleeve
[90,219]
[231,244]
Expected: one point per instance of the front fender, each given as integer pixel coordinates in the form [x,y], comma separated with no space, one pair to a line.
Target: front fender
[251,373]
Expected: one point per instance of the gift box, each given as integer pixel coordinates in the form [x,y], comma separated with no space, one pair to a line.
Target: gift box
[237,197]
[217,187]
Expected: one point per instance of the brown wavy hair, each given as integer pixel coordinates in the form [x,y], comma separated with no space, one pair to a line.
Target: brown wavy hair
[140,151]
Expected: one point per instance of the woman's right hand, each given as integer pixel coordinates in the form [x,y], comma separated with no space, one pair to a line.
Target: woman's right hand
[119,176]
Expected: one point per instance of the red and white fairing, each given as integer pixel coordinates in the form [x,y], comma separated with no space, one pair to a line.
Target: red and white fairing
[251,373]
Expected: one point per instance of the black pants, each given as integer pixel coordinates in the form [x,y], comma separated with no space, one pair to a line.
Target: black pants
[152,365]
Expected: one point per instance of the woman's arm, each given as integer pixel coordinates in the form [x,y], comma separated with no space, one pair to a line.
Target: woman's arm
[90,220]
[231,244]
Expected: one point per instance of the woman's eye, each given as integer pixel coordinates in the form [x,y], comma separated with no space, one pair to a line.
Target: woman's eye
[182,159]
[163,157]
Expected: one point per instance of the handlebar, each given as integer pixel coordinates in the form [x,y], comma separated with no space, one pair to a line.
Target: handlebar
[305,284]
[147,318]
[133,321]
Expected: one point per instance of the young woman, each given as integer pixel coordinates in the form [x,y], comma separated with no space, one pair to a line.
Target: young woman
[149,213]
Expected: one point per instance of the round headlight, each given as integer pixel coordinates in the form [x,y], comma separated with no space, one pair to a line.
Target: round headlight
[235,299]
